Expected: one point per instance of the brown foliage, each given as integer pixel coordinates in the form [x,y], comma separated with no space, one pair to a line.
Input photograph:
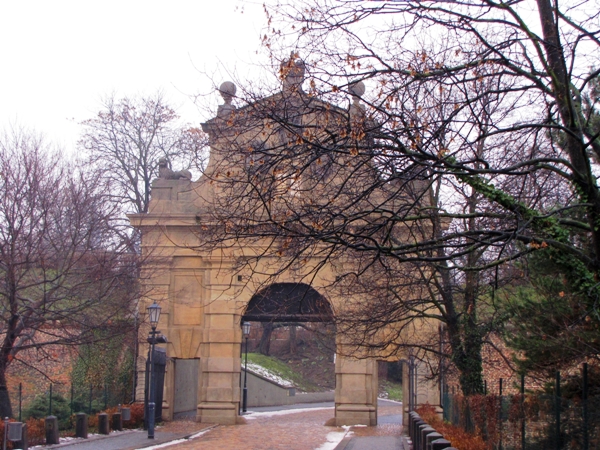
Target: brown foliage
[36,431]
[137,416]
[460,439]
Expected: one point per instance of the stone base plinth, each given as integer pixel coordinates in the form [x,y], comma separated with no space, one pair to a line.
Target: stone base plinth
[355,415]
[220,413]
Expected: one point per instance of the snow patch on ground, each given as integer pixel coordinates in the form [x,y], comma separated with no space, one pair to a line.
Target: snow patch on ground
[334,438]
[260,370]
[178,441]
[256,415]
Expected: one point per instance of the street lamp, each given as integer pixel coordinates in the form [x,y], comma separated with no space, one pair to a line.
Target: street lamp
[246,332]
[153,316]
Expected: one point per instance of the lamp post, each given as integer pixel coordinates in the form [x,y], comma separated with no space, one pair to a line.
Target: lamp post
[246,332]
[153,316]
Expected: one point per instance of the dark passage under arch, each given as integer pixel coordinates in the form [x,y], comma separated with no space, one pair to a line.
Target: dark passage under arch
[288,302]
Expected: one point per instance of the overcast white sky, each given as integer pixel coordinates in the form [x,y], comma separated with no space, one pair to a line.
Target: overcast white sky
[59,58]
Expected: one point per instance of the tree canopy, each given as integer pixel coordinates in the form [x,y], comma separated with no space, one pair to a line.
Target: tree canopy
[63,272]
[469,142]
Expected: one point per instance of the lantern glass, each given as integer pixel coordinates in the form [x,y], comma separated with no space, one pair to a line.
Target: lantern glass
[154,314]
[246,329]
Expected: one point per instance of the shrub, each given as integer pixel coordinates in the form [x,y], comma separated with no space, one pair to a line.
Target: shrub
[36,432]
[137,416]
[39,408]
[460,439]
[93,421]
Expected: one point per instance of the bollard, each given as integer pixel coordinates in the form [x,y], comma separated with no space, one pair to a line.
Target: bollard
[125,414]
[423,439]
[440,444]
[412,417]
[23,443]
[81,425]
[51,430]
[430,438]
[117,422]
[103,424]
[419,436]
[416,424]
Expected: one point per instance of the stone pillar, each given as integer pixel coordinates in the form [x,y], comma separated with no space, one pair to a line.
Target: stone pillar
[356,388]
[220,364]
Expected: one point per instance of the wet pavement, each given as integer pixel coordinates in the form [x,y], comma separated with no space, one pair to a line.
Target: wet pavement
[296,427]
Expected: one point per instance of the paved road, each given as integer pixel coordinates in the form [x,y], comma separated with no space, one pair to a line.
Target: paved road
[294,427]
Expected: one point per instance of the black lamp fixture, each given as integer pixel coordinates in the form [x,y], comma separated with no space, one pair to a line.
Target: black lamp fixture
[154,314]
[153,318]
[246,333]
[246,329]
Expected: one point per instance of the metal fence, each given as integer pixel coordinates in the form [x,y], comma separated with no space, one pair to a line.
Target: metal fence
[530,420]
[65,400]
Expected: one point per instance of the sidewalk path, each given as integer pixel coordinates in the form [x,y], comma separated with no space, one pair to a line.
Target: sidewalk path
[134,439]
[385,436]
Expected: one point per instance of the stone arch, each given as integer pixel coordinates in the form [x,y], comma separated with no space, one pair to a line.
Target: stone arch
[288,302]
[355,379]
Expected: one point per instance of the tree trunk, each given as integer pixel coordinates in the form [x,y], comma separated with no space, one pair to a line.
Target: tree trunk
[468,361]
[5,407]
[576,148]
[463,331]
[264,345]
[292,340]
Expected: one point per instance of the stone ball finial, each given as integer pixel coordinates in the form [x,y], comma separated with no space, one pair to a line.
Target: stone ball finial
[227,91]
[357,89]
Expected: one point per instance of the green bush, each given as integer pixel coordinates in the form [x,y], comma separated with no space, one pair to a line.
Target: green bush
[40,408]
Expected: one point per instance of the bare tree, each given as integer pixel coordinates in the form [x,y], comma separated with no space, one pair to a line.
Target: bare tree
[127,139]
[474,148]
[63,273]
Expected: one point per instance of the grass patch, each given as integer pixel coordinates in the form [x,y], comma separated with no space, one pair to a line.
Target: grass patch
[280,368]
[393,390]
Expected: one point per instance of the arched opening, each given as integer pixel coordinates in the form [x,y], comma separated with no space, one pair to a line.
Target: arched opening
[292,335]
[288,302]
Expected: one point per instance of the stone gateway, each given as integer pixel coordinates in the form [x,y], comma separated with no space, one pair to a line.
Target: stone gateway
[208,279]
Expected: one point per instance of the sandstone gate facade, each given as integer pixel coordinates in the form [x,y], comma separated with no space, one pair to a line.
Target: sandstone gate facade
[204,291]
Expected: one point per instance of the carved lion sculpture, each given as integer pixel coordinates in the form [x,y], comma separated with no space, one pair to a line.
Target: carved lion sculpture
[165,172]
